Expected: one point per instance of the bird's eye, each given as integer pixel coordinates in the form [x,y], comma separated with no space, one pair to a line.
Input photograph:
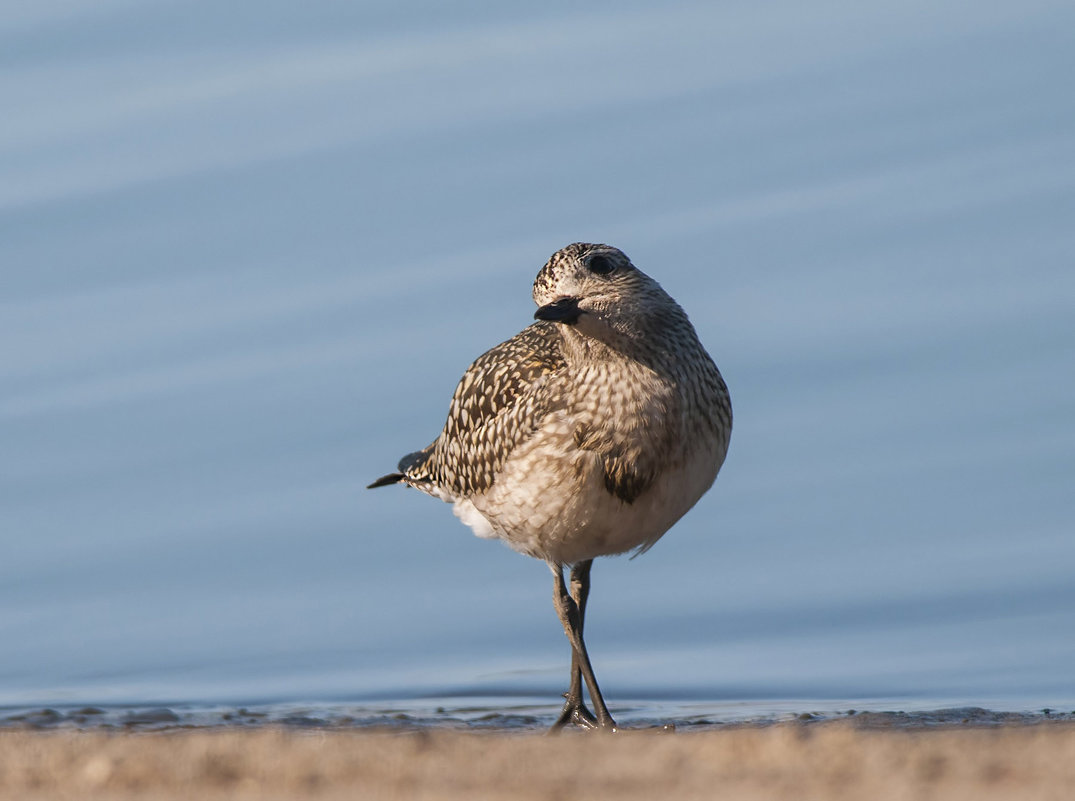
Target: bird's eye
[600,265]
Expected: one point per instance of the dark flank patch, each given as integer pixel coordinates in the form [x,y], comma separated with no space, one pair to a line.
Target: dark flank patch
[623,482]
[622,478]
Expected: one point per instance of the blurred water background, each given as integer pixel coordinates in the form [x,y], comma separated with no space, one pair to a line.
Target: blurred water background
[247,249]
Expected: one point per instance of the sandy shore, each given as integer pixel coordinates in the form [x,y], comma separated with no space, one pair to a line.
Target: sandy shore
[828,760]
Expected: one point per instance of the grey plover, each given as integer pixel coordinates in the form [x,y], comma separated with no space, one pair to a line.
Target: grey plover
[587,434]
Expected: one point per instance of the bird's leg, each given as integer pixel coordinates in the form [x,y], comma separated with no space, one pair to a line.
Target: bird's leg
[568,611]
[575,710]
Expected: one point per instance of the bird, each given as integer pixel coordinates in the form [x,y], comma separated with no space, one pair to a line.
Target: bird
[587,434]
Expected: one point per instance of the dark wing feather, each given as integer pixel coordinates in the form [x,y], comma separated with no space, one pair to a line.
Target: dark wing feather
[384,481]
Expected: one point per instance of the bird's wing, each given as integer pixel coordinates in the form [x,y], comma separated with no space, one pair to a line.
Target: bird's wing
[498,405]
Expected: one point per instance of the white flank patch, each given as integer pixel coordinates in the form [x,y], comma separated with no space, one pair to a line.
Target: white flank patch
[478,523]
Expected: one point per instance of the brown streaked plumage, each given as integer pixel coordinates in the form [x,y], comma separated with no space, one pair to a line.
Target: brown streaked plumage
[589,433]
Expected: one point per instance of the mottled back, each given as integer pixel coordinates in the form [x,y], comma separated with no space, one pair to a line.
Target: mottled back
[497,405]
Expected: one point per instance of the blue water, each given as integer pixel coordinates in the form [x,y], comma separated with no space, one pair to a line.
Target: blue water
[246,250]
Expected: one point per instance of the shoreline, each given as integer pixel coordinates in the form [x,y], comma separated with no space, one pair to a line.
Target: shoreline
[874,757]
[485,714]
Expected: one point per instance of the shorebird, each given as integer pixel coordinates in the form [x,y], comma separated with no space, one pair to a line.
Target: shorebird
[589,433]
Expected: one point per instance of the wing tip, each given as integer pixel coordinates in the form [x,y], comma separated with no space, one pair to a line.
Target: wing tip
[384,481]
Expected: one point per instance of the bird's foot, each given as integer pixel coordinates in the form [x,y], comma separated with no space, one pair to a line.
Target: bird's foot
[576,713]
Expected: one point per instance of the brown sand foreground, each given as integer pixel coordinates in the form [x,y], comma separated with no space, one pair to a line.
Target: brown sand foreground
[833,760]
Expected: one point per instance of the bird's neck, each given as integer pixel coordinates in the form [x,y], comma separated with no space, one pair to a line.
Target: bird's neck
[592,340]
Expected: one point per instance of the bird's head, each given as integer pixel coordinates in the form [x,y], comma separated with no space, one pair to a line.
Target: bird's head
[598,292]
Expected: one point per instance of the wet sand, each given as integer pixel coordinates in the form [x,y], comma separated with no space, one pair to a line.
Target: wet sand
[869,758]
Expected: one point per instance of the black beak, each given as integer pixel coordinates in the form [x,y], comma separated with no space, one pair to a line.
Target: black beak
[565,310]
